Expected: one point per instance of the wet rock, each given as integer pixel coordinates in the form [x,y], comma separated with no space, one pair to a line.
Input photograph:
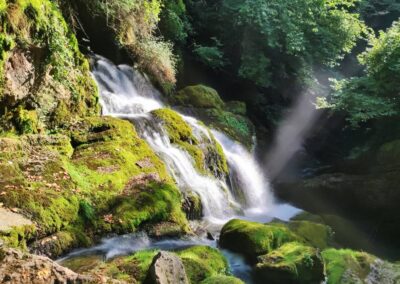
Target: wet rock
[164,230]
[18,267]
[192,206]
[292,263]
[54,245]
[167,268]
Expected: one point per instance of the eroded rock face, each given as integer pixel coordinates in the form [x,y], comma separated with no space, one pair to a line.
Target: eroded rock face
[167,268]
[17,267]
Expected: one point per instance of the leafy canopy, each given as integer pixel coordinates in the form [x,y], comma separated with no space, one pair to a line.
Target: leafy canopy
[278,39]
[376,94]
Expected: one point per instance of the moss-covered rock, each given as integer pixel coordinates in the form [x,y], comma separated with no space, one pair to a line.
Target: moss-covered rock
[347,266]
[111,181]
[317,235]
[221,279]
[42,71]
[202,262]
[198,96]
[254,239]
[236,107]
[205,104]
[291,263]
[207,154]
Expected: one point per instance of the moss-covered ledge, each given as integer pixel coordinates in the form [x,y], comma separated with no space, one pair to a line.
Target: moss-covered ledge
[96,177]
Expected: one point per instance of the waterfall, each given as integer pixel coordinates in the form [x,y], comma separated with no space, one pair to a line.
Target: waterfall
[126,93]
[246,176]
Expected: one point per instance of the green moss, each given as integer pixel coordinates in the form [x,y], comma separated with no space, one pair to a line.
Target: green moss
[198,96]
[208,156]
[110,181]
[253,239]
[143,260]
[56,59]
[178,130]
[26,121]
[202,262]
[346,266]
[317,235]
[18,236]
[236,107]
[291,263]
[221,279]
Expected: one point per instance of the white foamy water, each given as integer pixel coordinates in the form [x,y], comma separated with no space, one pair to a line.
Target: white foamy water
[124,92]
[247,176]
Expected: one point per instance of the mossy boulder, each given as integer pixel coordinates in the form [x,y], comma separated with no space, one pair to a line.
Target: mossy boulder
[221,279]
[96,178]
[45,80]
[198,96]
[254,239]
[205,104]
[202,262]
[207,154]
[291,263]
[236,107]
[347,266]
[315,234]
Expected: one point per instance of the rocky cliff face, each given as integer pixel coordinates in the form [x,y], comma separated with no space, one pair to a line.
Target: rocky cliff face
[45,81]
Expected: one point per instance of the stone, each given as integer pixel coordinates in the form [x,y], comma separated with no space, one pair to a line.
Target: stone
[19,267]
[167,268]
[293,263]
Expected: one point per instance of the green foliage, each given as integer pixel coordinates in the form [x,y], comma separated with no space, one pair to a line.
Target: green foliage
[174,24]
[202,262]
[279,39]
[135,24]
[374,95]
[211,56]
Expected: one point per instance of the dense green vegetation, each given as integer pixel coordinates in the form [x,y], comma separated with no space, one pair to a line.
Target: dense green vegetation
[375,94]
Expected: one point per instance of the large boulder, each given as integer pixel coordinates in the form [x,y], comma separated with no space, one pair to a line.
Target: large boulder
[18,267]
[198,96]
[292,263]
[254,239]
[167,268]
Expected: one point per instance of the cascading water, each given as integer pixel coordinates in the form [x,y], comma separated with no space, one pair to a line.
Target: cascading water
[124,92]
[245,173]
